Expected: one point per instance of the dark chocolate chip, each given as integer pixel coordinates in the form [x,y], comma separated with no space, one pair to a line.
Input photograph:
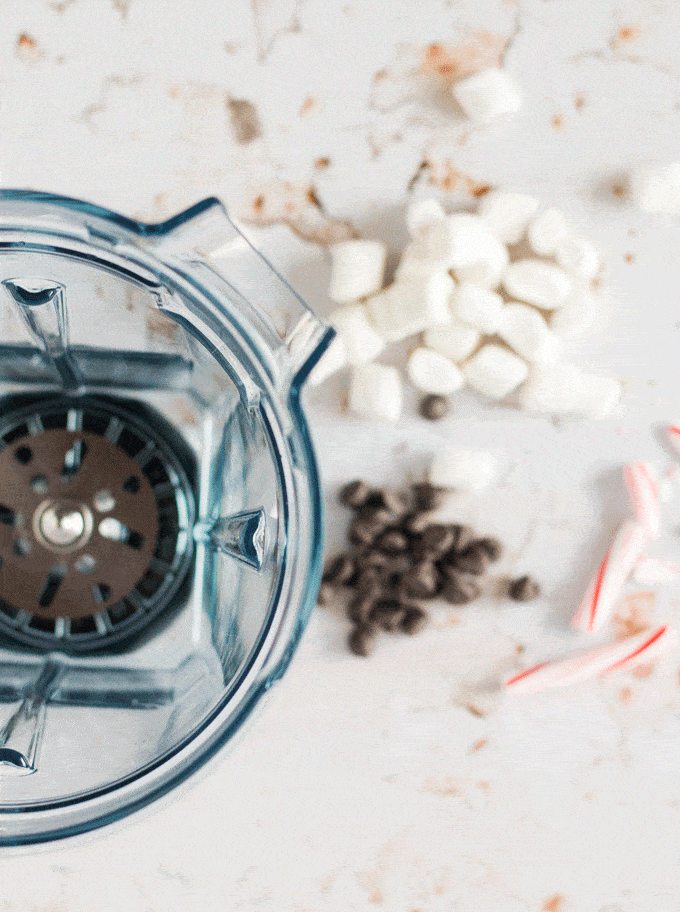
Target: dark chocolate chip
[325,594]
[354,495]
[392,542]
[362,639]
[436,539]
[422,580]
[434,407]
[398,564]
[413,621]
[341,571]
[363,530]
[460,590]
[359,609]
[373,559]
[428,497]
[369,581]
[393,502]
[465,535]
[493,548]
[387,614]
[524,589]
[472,559]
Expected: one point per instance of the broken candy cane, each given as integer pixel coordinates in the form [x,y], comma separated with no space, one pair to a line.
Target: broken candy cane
[650,571]
[643,491]
[598,602]
[620,655]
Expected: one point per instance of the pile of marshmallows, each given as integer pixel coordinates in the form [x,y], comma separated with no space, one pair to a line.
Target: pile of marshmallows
[486,319]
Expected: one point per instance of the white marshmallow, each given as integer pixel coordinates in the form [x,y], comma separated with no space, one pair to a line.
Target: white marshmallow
[508,214]
[357,270]
[488,270]
[578,256]
[538,283]
[656,189]
[477,307]
[467,470]
[455,341]
[411,305]
[421,214]
[494,371]
[375,391]
[487,95]
[459,240]
[332,360]
[547,231]
[413,261]
[578,315]
[431,372]
[362,342]
[563,388]
[527,333]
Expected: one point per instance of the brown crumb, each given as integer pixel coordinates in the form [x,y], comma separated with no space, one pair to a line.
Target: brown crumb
[625,694]
[25,41]
[633,614]
[478,745]
[629,258]
[475,710]
[579,102]
[482,50]
[554,904]
[308,106]
[480,190]
[312,197]
[26,48]
[484,786]
[321,163]
[244,119]
[642,671]
[557,121]
[619,191]
[258,204]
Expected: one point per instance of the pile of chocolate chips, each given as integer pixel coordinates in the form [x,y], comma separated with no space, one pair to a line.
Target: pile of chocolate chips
[399,558]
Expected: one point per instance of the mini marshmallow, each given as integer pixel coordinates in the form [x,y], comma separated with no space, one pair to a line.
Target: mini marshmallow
[455,341]
[547,231]
[414,261]
[459,240]
[578,315]
[487,95]
[537,282]
[477,307]
[488,270]
[656,189]
[466,470]
[421,214]
[494,371]
[563,388]
[527,333]
[375,391]
[508,214]
[431,372]
[357,270]
[411,305]
[332,360]
[362,342]
[578,256]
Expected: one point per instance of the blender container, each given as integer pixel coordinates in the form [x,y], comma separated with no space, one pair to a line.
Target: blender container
[160,515]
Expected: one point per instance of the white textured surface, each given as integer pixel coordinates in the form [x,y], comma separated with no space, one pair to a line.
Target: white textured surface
[368,784]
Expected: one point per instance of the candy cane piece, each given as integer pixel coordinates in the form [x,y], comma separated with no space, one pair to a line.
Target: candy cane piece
[650,571]
[643,491]
[673,433]
[620,655]
[598,603]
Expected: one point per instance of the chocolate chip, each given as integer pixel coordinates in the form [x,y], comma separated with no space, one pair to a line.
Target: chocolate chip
[369,580]
[325,594]
[354,495]
[392,542]
[359,609]
[379,515]
[465,535]
[413,621]
[434,407]
[422,580]
[362,639]
[472,559]
[388,614]
[524,589]
[493,548]
[460,590]
[436,539]
[398,565]
[428,497]
[341,571]
[363,530]
[393,502]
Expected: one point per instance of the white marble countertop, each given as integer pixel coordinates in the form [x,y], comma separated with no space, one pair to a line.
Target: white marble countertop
[369,784]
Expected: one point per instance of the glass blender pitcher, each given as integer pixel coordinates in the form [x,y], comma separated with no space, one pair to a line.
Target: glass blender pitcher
[160,515]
